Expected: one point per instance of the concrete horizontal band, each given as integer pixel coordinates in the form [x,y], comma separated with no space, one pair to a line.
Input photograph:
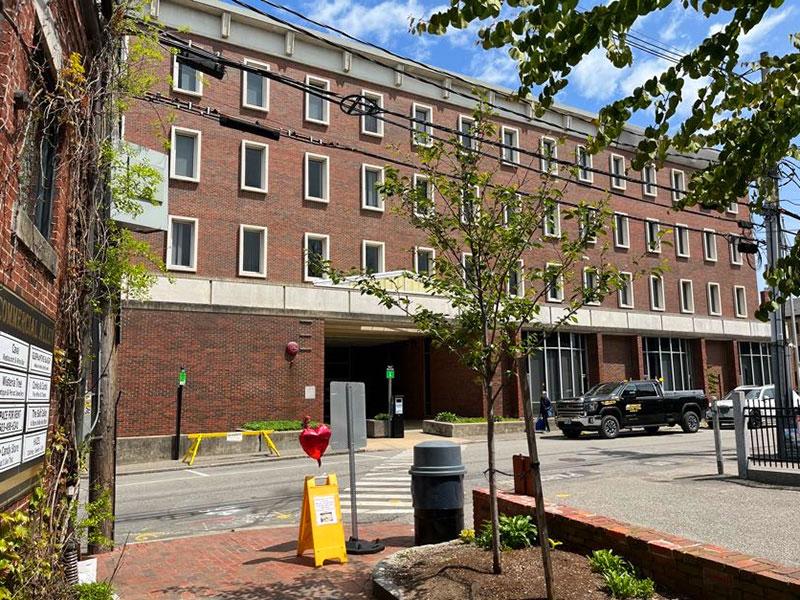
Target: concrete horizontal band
[338,302]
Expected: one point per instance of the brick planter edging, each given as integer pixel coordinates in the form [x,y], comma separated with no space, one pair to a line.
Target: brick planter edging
[692,568]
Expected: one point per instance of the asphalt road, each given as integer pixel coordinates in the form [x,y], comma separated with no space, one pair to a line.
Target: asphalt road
[667,481]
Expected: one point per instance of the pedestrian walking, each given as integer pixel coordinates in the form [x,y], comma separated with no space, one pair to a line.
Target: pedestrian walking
[544,409]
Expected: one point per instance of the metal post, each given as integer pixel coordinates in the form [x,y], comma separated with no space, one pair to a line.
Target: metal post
[717,439]
[352,456]
[794,343]
[741,438]
[176,442]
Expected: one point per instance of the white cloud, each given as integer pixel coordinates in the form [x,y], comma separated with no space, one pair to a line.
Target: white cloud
[494,67]
[380,22]
[750,41]
[595,77]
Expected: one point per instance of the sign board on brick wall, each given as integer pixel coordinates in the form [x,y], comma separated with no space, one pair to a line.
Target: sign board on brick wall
[26,368]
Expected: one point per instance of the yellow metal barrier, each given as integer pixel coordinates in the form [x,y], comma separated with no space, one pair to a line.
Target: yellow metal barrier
[197,438]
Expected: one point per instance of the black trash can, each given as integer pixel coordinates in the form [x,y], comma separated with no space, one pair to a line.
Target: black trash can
[437,489]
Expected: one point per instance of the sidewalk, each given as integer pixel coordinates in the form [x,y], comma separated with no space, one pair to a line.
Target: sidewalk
[411,439]
[245,565]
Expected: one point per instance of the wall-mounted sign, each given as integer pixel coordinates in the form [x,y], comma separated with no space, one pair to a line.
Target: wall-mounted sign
[26,367]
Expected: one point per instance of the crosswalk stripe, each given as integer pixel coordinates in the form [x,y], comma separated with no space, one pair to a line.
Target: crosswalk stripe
[379,477]
[395,503]
[383,511]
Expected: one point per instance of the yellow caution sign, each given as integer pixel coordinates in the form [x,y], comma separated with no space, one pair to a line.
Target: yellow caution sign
[321,528]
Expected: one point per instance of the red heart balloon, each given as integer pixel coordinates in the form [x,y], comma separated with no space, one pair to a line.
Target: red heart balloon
[314,440]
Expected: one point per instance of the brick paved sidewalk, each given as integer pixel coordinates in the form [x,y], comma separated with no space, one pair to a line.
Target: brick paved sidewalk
[248,564]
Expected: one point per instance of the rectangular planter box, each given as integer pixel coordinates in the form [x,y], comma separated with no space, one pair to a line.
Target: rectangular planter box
[470,429]
[377,429]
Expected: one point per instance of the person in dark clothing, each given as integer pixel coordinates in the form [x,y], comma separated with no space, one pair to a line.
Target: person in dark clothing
[544,409]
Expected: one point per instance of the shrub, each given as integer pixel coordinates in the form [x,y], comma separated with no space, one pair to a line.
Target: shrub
[382,417]
[446,417]
[280,425]
[603,561]
[449,417]
[515,532]
[99,590]
[620,576]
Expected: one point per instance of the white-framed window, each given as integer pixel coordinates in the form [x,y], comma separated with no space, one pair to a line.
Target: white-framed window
[371,178]
[591,283]
[678,185]
[622,234]
[555,282]
[255,87]
[511,208]
[617,162]
[254,167]
[373,259]
[423,185]
[465,132]
[467,266]
[736,254]
[682,240]
[652,236]
[733,208]
[686,290]
[182,244]
[317,177]
[649,181]
[372,124]
[510,150]
[656,292]
[584,161]
[515,285]
[551,224]
[625,291]
[252,251]
[185,79]
[316,248]
[714,303]
[184,157]
[424,259]
[709,245]
[740,301]
[548,148]
[588,225]
[470,205]
[317,107]
[421,123]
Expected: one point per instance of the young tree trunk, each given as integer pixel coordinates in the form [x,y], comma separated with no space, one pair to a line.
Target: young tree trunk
[493,514]
[536,474]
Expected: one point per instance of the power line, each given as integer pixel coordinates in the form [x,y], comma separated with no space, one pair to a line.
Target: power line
[338,99]
[288,133]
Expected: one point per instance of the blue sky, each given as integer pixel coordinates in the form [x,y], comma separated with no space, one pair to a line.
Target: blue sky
[593,83]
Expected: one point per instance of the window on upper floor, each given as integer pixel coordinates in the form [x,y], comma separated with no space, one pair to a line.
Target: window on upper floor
[649,178]
[317,107]
[255,87]
[740,301]
[736,254]
[316,251]
[686,289]
[252,251]
[470,208]
[682,241]
[657,292]
[714,303]
[372,256]
[515,284]
[421,124]
[423,205]
[584,161]
[182,244]
[625,291]
[254,167]
[549,151]
[618,180]
[185,154]
[622,238]
[588,225]
[591,285]
[424,259]
[372,124]
[551,222]
[652,230]
[316,177]
[371,179]
[468,268]
[554,279]
[678,185]
[510,152]
[186,79]
[466,134]
[710,245]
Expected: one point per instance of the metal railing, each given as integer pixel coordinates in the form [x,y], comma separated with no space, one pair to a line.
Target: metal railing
[773,434]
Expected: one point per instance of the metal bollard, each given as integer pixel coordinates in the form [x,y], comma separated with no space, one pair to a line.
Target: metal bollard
[437,489]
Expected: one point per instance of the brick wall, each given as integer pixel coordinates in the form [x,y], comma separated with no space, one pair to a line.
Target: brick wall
[721,357]
[619,358]
[692,568]
[454,388]
[236,365]
[221,207]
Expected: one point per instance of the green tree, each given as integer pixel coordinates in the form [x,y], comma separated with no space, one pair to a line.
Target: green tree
[479,299]
[753,121]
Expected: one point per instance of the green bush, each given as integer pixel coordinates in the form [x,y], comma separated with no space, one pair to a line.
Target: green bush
[446,417]
[99,590]
[620,576]
[382,417]
[281,425]
[449,417]
[515,532]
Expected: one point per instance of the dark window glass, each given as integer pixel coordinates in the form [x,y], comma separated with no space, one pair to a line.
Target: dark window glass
[252,251]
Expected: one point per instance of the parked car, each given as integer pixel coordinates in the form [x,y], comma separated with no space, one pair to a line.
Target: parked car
[610,407]
[759,400]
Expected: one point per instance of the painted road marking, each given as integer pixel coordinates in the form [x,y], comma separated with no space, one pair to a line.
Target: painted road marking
[197,473]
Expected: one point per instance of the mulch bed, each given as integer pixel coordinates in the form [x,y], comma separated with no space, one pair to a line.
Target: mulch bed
[460,572]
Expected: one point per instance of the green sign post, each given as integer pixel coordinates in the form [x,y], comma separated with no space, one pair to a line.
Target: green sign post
[182,377]
[389,377]
[176,442]
[390,372]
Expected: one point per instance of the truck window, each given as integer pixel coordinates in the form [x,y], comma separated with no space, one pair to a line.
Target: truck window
[645,389]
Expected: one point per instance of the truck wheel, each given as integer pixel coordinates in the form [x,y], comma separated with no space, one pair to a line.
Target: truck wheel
[690,422]
[651,429]
[609,427]
[572,433]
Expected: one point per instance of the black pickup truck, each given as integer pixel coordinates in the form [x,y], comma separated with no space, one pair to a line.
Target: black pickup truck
[609,407]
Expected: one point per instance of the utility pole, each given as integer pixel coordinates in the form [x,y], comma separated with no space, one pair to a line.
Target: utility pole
[778,355]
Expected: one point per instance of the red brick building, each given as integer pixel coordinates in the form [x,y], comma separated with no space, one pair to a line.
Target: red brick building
[34,47]
[240,212]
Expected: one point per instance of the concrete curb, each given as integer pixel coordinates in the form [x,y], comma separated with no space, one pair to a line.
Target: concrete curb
[383,579]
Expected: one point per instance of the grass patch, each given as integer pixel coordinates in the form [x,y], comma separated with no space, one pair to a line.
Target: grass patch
[281,425]
[448,417]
